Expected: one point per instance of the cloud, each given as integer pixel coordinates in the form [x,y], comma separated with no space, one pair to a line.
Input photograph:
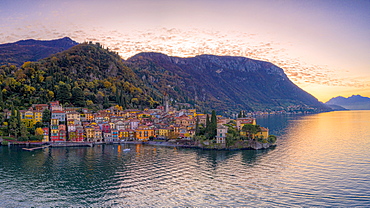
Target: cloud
[191,42]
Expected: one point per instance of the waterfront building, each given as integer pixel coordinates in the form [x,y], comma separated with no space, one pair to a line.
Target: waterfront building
[89,130]
[221,134]
[45,134]
[143,133]
[98,134]
[240,122]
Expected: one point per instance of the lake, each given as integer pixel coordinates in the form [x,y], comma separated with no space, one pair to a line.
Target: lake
[320,160]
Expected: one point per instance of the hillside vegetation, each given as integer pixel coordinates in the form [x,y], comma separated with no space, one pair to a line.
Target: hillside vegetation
[86,75]
[222,82]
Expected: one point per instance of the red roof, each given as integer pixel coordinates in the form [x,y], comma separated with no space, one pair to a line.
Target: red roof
[58,111]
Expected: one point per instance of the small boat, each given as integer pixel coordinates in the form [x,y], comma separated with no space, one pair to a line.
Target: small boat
[126,150]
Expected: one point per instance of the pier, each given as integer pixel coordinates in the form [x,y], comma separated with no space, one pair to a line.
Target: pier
[36,148]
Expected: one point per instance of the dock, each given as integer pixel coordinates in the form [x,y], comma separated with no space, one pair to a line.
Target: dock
[36,148]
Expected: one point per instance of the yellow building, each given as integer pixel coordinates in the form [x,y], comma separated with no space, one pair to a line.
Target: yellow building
[240,122]
[27,118]
[163,132]
[89,133]
[123,134]
[264,133]
[37,116]
[30,117]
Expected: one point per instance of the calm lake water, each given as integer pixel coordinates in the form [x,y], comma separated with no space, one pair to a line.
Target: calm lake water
[320,160]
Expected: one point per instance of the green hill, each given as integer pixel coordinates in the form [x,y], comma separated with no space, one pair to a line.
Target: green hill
[84,75]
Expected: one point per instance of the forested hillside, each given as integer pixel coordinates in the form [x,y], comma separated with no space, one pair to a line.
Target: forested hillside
[86,75]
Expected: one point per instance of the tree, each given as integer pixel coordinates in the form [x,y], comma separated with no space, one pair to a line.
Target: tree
[240,115]
[271,139]
[46,116]
[251,130]
[197,126]
[23,132]
[78,97]
[106,103]
[1,100]
[39,131]
[212,130]
[13,123]
[63,94]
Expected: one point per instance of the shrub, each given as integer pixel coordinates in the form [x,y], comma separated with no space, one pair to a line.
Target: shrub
[271,139]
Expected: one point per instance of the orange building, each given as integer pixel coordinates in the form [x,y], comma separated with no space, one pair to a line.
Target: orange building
[143,133]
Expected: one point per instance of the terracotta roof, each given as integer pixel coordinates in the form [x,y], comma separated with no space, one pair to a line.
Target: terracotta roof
[58,111]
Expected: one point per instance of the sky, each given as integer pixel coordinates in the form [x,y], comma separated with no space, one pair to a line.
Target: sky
[323,46]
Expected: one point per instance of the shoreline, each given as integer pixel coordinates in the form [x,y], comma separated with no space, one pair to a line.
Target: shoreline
[253,145]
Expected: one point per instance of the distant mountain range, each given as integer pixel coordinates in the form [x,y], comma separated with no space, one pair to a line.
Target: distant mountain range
[224,83]
[32,50]
[355,102]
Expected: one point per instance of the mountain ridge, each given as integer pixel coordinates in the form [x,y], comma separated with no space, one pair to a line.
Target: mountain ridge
[354,102]
[32,50]
[210,77]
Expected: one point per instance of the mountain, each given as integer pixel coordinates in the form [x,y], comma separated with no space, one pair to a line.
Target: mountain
[224,83]
[86,75]
[355,102]
[32,50]
[336,107]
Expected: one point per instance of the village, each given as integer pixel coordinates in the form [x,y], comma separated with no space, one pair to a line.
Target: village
[115,125]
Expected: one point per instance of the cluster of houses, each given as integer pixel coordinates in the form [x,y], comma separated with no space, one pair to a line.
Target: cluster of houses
[115,124]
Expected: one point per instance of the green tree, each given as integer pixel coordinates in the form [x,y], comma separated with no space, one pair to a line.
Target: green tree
[63,94]
[106,103]
[251,130]
[240,115]
[23,132]
[46,116]
[13,123]
[271,139]
[78,98]
[208,126]
[1,100]
[212,130]
[197,130]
